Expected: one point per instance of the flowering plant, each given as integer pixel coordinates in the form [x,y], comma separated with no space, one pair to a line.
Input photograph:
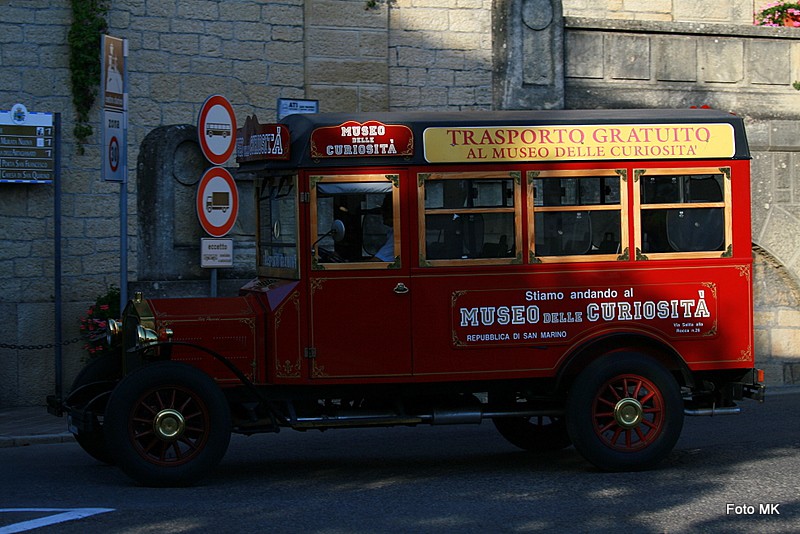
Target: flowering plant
[780,13]
[93,325]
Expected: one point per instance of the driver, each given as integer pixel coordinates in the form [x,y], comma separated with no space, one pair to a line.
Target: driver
[386,252]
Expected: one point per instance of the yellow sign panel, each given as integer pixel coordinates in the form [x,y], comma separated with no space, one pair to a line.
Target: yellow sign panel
[568,142]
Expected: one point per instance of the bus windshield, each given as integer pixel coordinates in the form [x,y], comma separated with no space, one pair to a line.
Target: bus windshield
[277,227]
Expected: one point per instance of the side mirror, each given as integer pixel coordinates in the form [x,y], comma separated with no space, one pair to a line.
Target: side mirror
[337,230]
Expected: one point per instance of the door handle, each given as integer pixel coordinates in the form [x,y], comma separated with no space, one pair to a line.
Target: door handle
[401,288]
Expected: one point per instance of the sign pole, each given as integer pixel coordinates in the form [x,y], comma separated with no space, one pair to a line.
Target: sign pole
[57,255]
[123,188]
[114,90]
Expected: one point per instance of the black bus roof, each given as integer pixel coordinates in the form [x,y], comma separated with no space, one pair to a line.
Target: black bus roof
[301,127]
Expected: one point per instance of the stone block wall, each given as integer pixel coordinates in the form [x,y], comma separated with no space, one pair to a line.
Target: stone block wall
[440,55]
[712,11]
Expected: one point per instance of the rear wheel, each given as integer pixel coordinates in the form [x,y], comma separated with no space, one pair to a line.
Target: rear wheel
[625,412]
[168,424]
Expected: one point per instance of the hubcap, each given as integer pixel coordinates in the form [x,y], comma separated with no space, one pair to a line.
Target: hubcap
[169,424]
[628,412]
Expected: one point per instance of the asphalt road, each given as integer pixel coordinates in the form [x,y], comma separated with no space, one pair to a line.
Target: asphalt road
[726,474]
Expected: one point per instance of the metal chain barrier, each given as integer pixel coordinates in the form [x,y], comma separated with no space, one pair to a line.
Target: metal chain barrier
[12,346]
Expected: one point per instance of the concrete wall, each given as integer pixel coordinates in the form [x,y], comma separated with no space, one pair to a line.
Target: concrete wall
[400,55]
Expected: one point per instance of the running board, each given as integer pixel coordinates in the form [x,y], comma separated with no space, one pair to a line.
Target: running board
[733,410]
[438,417]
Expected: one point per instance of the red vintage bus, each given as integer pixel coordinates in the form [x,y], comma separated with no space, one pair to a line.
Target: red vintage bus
[578,277]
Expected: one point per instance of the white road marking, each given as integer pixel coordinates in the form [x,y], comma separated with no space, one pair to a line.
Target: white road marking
[66,514]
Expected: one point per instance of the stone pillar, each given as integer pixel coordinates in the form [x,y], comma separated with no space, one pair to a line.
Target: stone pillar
[169,166]
[528,54]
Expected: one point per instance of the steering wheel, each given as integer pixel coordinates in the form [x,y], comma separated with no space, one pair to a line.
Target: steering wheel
[329,256]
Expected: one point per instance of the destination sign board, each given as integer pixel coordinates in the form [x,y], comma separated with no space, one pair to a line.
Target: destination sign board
[27,147]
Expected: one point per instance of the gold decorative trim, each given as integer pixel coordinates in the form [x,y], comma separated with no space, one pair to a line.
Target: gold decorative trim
[313,180]
[394,178]
[625,256]
[711,287]
[517,176]
[316,284]
[287,369]
[637,174]
[532,175]
[744,270]
[640,256]
[623,174]
[728,252]
[317,371]
[422,178]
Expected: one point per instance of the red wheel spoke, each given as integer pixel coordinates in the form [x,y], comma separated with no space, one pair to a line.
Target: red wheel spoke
[607,402]
[177,450]
[614,392]
[649,424]
[616,436]
[607,427]
[648,395]
[183,407]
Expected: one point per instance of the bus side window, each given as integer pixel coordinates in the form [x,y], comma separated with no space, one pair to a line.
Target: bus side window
[363,206]
[577,215]
[469,216]
[683,210]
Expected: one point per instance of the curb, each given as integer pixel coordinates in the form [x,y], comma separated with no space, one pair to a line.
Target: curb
[39,439]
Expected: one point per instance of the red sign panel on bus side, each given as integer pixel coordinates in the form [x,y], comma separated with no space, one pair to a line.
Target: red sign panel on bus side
[259,142]
[368,139]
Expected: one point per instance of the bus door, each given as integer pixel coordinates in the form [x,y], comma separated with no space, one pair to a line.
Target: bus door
[359,280]
[471,244]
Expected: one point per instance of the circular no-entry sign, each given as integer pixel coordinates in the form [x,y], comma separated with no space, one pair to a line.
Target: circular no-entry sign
[217,202]
[216,129]
[113,154]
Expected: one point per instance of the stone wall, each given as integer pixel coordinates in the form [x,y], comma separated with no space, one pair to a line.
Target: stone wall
[399,55]
[711,11]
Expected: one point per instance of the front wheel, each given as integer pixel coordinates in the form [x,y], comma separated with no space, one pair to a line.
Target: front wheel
[625,412]
[167,424]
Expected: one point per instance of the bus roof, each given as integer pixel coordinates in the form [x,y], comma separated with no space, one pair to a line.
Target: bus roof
[306,132]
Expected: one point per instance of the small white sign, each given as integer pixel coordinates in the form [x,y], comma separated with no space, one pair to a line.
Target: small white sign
[215,253]
[289,106]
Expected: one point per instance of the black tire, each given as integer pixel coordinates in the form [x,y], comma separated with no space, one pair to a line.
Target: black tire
[168,424]
[625,412]
[102,369]
[535,434]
